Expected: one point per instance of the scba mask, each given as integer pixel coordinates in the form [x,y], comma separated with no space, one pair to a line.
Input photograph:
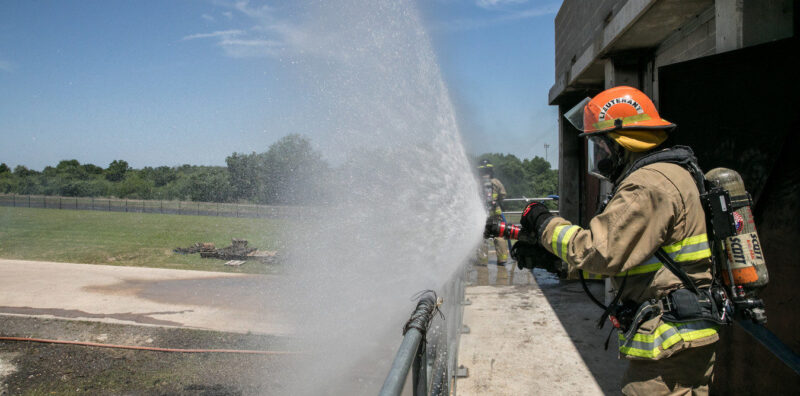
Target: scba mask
[604,157]
[617,119]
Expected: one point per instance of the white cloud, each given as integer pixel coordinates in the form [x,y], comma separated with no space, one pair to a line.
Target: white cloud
[507,17]
[250,48]
[6,66]
[208,17]
[492,4]
[265,37]
[262,12]
[222,34]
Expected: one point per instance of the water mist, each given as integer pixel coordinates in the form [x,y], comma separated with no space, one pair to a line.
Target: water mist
[402,211]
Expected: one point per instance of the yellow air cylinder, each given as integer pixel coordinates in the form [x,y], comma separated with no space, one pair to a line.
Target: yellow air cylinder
[745,257]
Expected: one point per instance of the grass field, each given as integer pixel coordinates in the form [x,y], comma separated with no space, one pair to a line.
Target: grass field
[131,239]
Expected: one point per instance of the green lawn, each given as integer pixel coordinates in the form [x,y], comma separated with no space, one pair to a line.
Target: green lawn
[131,239]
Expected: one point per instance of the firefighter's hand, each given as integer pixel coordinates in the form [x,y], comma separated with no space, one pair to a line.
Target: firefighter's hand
[533,255]
[533,217]
[492,228]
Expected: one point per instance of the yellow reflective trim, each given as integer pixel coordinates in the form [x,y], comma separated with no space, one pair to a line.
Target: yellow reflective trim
[652,353]
[666,326]
[648,338]
[587,275]
[565,241]
[554,241]
[638,352]
[693,240]
[642,269]
[667,343]
[698,334]
[694,255]
[625,121]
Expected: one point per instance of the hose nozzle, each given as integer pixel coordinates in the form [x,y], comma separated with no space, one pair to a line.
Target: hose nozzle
[498,228]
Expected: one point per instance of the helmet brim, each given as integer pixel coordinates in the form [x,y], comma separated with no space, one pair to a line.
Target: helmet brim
[646,125]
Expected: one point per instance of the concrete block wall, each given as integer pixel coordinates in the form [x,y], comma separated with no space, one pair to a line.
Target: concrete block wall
[695,39]
[765,21]
[578,25]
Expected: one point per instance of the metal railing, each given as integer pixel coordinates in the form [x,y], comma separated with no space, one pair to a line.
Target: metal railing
[430,344]
[528,200]
[413,349]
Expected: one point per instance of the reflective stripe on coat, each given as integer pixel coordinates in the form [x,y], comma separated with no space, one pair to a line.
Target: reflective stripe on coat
[657,206]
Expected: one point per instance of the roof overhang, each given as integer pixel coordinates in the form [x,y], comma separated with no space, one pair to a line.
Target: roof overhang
[640,25]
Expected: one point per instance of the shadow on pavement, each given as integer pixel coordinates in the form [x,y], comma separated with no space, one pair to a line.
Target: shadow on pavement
[579,316]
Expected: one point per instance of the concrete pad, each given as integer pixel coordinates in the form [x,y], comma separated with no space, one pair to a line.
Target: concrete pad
[144,296]
[536,338]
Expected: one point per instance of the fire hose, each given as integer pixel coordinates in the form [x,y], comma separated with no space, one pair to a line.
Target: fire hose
[144,348]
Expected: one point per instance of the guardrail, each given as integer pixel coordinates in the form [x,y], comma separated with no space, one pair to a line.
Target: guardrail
[430,343]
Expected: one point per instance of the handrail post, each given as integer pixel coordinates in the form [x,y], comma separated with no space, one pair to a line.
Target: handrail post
[411,351]
[420,375]
[402,363]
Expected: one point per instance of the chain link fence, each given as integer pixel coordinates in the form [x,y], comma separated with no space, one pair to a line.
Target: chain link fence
[151,206]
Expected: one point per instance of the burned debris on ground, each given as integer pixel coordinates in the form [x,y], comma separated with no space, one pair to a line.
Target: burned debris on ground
[237,251]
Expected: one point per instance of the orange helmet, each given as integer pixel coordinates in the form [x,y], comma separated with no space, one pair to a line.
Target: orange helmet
[616,109]
[623,115]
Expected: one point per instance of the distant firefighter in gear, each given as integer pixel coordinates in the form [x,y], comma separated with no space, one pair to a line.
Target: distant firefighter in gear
[493,194]
[652,224]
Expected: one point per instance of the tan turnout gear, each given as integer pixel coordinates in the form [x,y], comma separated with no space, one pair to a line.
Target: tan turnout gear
[656,206]
[498,195]
[500,244]
[687,373]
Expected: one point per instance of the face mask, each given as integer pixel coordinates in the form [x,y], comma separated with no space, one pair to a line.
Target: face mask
[603,160]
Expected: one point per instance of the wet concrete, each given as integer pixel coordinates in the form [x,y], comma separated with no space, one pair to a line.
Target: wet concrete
[146,296]
[142,317]
[508,275]
[238,293]
[530,333]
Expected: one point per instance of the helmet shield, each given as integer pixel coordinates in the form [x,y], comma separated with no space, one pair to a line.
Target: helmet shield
[601,157]
[575,114]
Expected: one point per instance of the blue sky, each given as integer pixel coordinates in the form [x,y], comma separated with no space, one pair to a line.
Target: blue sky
[173,82]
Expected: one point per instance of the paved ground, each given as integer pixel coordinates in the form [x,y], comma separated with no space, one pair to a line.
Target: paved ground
[533,335]
[145,296]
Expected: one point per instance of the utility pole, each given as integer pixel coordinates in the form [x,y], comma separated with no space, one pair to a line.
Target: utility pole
[546,146]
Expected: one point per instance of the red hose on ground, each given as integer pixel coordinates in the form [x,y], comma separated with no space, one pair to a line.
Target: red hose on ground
[142,348]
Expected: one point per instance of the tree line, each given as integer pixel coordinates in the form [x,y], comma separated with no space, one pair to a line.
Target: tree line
[289,172]
[530,178]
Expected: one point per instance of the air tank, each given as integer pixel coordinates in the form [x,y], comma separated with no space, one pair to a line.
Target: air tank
[745,257]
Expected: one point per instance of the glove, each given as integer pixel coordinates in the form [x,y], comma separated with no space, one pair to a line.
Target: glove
[533,255]
[534,217]
[492,228]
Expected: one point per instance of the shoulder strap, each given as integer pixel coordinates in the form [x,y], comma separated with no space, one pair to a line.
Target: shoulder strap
[676,270]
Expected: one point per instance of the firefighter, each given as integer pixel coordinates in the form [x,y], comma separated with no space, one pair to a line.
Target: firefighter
[493,194]
[652,222]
